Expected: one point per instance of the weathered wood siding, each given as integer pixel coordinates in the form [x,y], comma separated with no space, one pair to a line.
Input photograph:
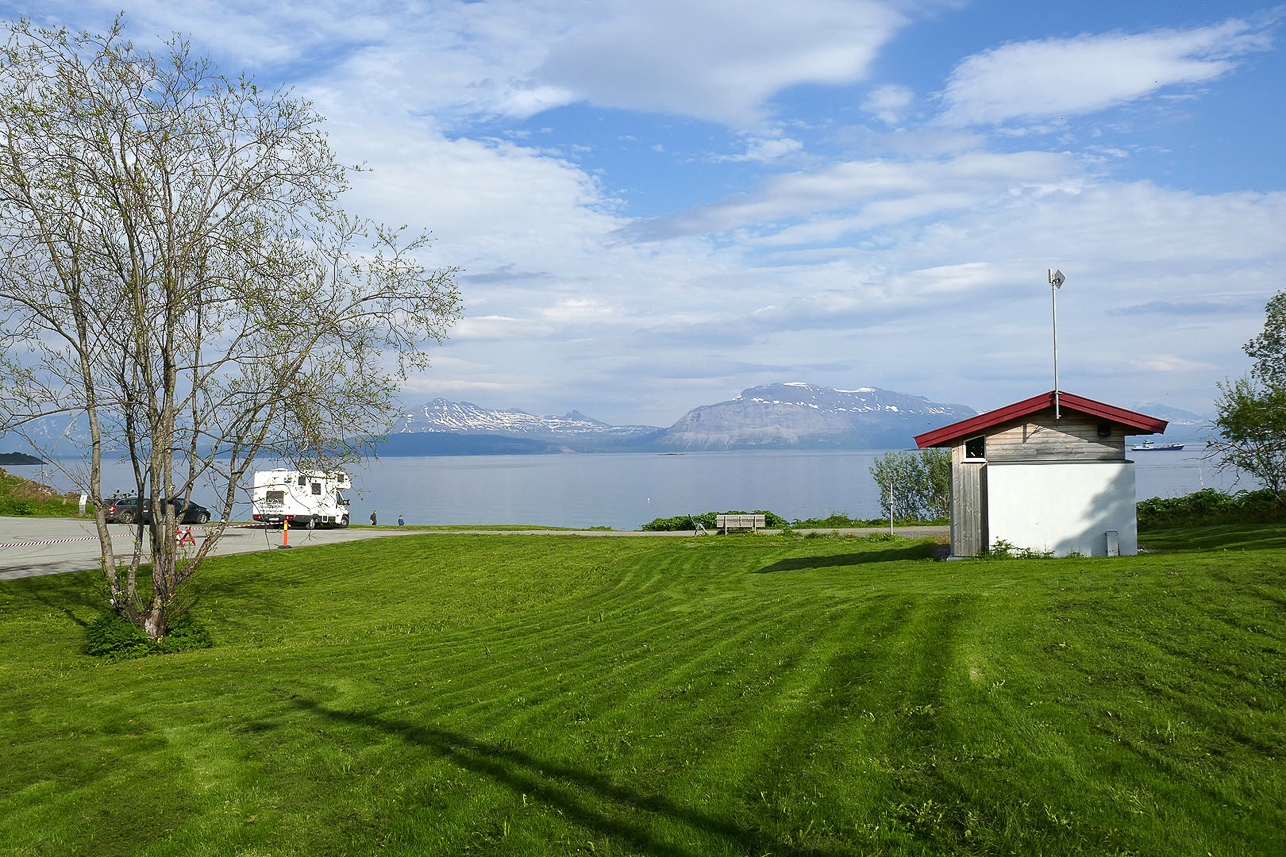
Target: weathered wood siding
[1042,438]
[968,505]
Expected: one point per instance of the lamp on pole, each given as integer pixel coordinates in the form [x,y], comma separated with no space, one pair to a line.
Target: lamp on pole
[1056,280]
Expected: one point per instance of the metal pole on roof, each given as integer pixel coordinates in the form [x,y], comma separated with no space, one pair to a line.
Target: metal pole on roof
[1056,280]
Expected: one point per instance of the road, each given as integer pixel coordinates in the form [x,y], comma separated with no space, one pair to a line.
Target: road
[36,546]
[30,547]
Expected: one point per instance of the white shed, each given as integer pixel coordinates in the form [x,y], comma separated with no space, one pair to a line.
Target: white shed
[1021,475]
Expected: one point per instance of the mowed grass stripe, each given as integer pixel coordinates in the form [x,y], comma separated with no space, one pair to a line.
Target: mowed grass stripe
[561,695]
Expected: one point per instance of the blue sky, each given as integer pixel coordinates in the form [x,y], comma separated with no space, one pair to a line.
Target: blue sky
[657,204]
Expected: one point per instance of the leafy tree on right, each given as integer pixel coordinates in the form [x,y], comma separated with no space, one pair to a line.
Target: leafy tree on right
[1251,421]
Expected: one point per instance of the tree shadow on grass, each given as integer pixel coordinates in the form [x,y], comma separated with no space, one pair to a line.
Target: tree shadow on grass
[83,592]
[1215,538]
[571,791]
[914,551]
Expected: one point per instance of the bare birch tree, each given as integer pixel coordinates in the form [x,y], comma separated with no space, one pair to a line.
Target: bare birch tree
[176,272]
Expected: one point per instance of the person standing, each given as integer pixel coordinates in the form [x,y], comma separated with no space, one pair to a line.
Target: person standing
[373,518]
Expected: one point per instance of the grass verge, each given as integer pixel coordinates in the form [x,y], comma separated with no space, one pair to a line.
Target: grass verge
[447,694]
[22,497]
[491,527]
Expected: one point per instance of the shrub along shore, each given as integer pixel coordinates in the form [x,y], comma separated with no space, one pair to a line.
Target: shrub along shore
[773,521]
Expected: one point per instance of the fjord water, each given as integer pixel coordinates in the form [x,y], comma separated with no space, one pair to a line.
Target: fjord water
[625,490]
[619,490]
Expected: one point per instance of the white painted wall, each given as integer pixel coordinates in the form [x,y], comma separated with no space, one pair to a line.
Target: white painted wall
[1063,507]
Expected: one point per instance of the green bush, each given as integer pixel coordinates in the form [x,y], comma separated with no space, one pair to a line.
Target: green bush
[839,521]
[678,522]
[14,507]
[772,521]
[185,633]
[1209,506]
[1003,549]
[115,638]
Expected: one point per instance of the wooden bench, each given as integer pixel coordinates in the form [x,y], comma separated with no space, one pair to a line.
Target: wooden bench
[754,522]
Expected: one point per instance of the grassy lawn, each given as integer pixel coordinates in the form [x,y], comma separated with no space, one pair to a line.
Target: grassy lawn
[482,527]
[473,694]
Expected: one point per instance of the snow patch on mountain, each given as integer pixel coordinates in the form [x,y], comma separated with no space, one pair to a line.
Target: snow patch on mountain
[786,415]
[443,415]
[807,416]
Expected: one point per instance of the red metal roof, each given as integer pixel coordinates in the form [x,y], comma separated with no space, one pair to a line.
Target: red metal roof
[1141,423]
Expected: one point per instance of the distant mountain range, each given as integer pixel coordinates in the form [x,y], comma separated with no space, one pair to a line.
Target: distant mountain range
[463,427]
[777,416]
[1183,425]
[773,416]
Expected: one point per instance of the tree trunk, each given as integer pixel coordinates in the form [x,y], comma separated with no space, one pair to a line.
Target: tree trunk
[153,621]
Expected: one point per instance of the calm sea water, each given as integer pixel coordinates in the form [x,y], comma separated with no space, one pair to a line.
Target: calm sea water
[626,490]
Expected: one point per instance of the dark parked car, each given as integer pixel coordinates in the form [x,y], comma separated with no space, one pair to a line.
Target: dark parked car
[122,510]
[127,510]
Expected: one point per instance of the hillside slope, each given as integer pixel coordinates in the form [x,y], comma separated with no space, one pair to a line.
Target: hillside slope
[807,416]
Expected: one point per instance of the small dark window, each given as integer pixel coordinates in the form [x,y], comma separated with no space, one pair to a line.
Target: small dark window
[316,487]
[976,447]
[303,480]
[1104,429]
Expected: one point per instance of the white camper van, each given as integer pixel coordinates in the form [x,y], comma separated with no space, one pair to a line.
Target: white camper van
[301,497]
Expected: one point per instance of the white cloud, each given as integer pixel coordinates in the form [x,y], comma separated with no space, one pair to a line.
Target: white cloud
[1113,224]
[945,279]
[250,35]
[878,254]
[765,149]
[435,384]
[830,229]
[1055,78]
[490,204]
[490,327]
[721,60]
[576,311]
[1169,363]
[978,175]
[887,102]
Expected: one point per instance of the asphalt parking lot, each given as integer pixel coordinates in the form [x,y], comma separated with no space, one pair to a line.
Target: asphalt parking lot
[37,546]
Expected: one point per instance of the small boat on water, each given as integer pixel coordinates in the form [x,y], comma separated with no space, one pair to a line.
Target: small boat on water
[1153,446]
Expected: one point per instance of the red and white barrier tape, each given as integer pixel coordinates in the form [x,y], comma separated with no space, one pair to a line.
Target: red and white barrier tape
[39,544]
[55,541]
